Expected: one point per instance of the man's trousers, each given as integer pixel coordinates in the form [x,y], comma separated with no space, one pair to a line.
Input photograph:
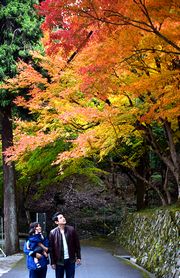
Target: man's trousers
[68,268]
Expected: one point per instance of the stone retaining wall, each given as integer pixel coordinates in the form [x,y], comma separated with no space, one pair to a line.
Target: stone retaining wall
[153,239]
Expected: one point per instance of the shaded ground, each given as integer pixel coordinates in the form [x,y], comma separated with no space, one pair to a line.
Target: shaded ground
[107,243]
[96,263]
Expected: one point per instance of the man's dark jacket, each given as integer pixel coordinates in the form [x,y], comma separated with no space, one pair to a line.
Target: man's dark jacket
[56,244]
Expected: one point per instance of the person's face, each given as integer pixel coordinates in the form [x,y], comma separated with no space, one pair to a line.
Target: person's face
[38,229]
[61,220]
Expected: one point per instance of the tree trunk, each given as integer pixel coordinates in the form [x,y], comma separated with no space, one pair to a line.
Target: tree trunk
[165,187]
[174,155]
[140,185]
[140,193]
[28,217]
[171,160]
[10,208]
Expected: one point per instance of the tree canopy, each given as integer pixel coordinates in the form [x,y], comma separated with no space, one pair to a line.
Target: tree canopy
[111,85]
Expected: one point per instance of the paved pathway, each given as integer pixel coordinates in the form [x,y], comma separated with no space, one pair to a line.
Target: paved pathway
[96,263]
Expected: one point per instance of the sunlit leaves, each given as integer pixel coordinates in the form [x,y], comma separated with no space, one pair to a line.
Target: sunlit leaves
[70,21]
[121,84]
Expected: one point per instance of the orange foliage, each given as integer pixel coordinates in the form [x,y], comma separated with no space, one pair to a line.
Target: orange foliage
[125,74]
[27,77]
[70,21]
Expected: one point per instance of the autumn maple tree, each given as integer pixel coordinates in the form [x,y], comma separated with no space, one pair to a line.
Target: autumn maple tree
[143,34]
[71,21]
[113,80]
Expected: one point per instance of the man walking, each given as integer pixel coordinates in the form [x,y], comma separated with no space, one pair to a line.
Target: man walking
[64,247]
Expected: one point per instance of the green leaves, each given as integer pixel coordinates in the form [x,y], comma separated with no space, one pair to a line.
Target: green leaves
[39,163]
[20,32]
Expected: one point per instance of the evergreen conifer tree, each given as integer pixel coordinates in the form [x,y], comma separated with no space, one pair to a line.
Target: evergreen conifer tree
[19,33]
